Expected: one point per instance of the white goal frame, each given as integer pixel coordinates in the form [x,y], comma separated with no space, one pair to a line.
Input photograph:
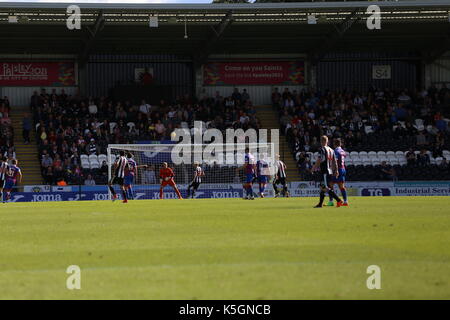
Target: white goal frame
[238,148]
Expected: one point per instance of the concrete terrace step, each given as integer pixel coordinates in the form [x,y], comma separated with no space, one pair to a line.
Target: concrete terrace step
[27,154]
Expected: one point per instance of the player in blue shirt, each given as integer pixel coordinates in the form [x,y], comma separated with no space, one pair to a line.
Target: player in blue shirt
[13,175]
[340,155]
[262,173]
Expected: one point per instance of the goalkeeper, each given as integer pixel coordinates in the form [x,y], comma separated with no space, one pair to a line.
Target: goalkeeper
[166,176]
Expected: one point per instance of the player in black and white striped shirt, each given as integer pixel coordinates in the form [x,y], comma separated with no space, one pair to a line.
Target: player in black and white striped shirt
[280,178]
[3,170]
[120,165]
[198,174]
[327,165]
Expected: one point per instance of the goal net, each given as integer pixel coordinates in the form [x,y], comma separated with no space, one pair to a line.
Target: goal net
[223,167]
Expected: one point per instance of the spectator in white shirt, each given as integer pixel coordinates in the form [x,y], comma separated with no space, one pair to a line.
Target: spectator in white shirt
[145,107]
[92,108]
[149,176]
[89,181]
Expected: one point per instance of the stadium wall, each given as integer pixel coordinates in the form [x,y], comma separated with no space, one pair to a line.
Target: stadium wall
[104,72]
[355,71]
[438,72]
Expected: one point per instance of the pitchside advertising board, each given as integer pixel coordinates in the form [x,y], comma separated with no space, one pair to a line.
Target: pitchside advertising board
[221,191]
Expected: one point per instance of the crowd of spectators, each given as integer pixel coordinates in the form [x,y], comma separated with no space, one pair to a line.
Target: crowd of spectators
[379,120]
[70,126]
[7,148]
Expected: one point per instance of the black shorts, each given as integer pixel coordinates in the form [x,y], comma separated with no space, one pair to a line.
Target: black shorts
[2,184]
[281,181]
[194,185]
[117,180]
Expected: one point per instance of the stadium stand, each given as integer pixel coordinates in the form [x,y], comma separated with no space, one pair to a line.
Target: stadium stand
[73,133]
[389,134]
[412,123]
[7,147]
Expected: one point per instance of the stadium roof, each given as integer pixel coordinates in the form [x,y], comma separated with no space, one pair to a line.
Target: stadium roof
[224,28]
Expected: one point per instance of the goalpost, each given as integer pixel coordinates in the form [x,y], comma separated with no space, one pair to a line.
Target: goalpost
[222,165]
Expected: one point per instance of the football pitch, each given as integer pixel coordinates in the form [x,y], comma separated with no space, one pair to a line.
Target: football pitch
[226,249]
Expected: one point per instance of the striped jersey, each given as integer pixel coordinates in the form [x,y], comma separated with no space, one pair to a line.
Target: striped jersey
[121,166]
[198,173]
[281,169]
[3,169]
[327,160]
[340,155]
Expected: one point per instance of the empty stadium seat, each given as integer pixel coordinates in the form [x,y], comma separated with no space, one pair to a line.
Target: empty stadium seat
[85,164]
[439,160]
[363,154]
[93,158]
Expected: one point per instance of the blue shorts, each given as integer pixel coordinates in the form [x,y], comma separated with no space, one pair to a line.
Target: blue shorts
[262,179]
[9,184]
[128,180]
[249,177]
[341,177]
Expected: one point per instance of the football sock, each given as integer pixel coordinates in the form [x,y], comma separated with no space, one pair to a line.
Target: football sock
[124,194]
[344,194]
[322,197]
[130,193]
[112,190]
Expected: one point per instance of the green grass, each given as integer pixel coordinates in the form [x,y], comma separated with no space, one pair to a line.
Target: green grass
[226,249]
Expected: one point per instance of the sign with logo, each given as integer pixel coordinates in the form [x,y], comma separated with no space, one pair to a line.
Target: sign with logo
[35,189]
[50,74]
[254,73]
[381,72]
[141,75]
[421,191]
[375,192]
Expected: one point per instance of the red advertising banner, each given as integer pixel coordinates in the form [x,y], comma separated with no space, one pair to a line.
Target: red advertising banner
[49,74]
[254,73]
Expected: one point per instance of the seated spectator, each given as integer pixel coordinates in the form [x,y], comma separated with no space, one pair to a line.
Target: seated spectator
[423,159]
[93,110]
[149,176]
[48,176]
[91,148]
[387,172]
[421,139]
[47,161]
[411,157]
[145,108]
[89,181]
